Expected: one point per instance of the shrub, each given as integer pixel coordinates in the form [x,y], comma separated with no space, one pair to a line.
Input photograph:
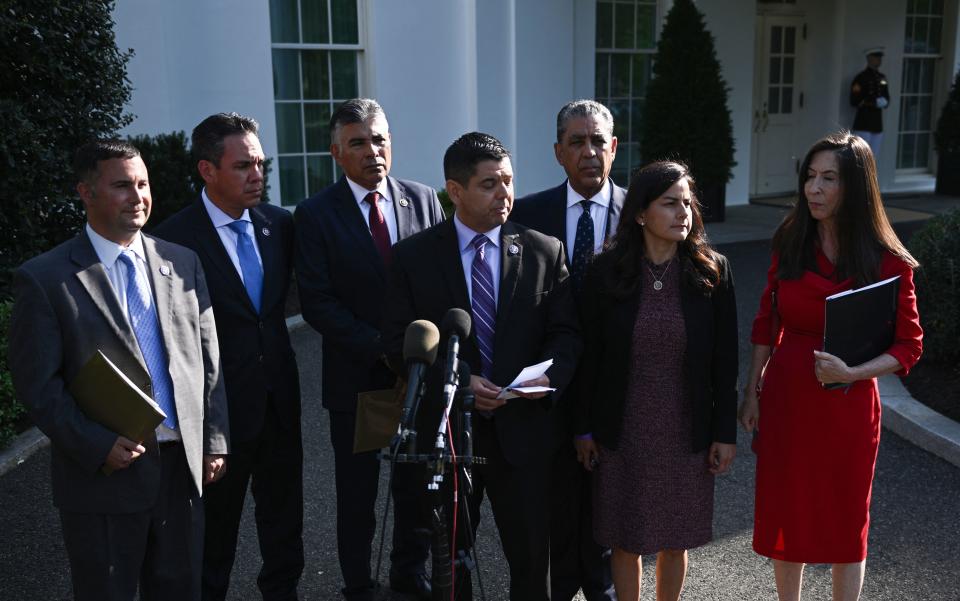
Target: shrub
[937,247]
[11,411]
[62,82]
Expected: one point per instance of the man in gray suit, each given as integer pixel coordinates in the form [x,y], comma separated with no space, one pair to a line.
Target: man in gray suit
[144,304]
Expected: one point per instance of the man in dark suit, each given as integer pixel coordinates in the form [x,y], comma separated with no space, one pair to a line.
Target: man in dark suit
[247,253]
[514,283]
[344,244]
[583,213]
[143,303]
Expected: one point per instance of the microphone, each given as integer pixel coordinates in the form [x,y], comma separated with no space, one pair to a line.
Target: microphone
[420,342]
[456,324]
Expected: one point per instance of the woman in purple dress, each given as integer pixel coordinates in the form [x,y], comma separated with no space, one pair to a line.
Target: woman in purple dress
[658,380]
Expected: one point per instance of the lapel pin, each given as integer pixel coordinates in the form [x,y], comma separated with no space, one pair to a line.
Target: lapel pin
[404,202]
[513,249]
[164,270]
[265,231]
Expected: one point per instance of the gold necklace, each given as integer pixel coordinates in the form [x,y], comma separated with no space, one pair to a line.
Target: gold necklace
[658,281]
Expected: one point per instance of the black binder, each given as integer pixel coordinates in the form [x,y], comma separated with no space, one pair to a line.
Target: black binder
[859,323]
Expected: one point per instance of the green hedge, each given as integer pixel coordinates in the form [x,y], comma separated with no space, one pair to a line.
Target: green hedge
[937,247]
[11,411]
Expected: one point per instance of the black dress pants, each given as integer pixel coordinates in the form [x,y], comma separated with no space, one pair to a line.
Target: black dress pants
[272,464]
[357,480]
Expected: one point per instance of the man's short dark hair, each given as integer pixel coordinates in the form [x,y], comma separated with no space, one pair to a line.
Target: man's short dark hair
[207,137]
[583,108]
[87,156]
[461,159]
[355,110]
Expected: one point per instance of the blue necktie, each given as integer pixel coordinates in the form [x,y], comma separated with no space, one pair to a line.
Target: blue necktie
[582,246]
[484,305]
[147,330]
[249,265]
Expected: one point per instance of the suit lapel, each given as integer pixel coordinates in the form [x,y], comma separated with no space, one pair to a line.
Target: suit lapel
[160,272]
[93,277]
[402,208]
[353,223]
[267,241]
[616,206]
[451,264]
[556,212]
[511,254]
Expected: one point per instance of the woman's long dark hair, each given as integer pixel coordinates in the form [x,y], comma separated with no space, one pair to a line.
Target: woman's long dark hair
[863,230]
[698,262]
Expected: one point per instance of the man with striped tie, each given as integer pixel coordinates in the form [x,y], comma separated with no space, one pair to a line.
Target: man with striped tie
[144,304]
[514,283]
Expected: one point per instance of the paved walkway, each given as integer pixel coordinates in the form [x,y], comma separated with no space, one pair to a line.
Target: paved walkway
[913,539]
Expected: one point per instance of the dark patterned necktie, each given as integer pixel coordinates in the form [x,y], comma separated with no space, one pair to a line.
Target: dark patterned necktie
[378,228]
[484,305]
[582,246]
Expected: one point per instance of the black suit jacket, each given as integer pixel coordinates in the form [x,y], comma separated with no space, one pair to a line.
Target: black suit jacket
[258,361]
[341,280]
[546,212]
[711,364]
[536,320]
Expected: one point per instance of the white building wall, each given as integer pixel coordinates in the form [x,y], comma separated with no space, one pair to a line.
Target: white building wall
[193,59]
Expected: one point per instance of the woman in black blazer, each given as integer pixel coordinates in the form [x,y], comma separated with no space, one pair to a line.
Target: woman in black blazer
[657,418]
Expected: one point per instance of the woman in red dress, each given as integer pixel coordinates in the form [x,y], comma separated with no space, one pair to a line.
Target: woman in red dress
[817,448]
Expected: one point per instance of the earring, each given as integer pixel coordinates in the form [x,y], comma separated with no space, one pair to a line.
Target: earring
[642,223]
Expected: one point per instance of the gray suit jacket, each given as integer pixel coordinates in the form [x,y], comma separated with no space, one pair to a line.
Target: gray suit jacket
[65,310]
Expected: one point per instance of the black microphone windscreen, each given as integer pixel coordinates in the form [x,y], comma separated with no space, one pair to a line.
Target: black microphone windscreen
[456,321]
[463,373]
[420,342]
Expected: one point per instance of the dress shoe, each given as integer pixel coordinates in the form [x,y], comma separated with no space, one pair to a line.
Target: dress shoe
[417,585]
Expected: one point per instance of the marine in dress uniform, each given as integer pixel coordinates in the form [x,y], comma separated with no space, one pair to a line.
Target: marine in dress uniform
[870,94]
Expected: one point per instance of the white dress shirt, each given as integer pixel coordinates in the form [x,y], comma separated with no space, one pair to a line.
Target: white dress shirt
[385,203]
[221,222]
[491,255]
[109,252]
[599,209]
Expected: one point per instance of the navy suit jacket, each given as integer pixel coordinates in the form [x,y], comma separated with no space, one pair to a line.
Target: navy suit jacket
[536,320]
[258,360]
[546,212]
[341,279]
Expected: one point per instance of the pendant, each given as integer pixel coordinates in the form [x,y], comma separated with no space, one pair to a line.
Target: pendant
[657,285]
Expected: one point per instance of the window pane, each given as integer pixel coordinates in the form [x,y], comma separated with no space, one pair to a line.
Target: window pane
[923,150]
[775,70]
[641,74]
[289,128]
[646,26]
[636,120]
[911,77]
[602,84]
[620,109]
[923,113]
[911,6]
[908,149]
[619,75]
[315,26]
[776,44]
[631,154]
[908,36]
[936,25]
[927,66]
[319,173]
[787,70]
[789,46]
[283,21]
[344,17]
[604,25]
[786,100]
[922,6]
[344,74]
[316,78]
[773,100]
[316,117]
[291,180]
[623,26]
[286,75]
[937,7]
[920,35]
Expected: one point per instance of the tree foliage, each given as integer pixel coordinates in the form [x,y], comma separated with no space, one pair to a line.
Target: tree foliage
[937,248]
[174,179]
[685,116]
[62,82]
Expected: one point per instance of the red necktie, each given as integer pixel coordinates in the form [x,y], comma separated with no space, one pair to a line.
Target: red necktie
[378,228]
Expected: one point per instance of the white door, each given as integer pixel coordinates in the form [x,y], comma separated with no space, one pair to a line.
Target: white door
[777,105]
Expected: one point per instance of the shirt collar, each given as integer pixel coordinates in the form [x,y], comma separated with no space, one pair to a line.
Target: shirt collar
[217,216]
[465,235]
[602,197]
[359,192]
[108,251]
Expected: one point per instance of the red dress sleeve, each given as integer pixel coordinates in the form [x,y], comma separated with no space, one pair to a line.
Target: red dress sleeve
[908,335]
[765,320]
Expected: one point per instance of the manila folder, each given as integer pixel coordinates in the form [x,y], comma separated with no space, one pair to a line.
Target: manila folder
[107,396]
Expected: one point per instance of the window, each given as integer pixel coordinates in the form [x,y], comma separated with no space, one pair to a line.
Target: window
[316,66]
[921,52]
[626,43]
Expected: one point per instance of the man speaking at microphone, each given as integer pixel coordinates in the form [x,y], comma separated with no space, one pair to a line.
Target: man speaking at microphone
[514,284]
